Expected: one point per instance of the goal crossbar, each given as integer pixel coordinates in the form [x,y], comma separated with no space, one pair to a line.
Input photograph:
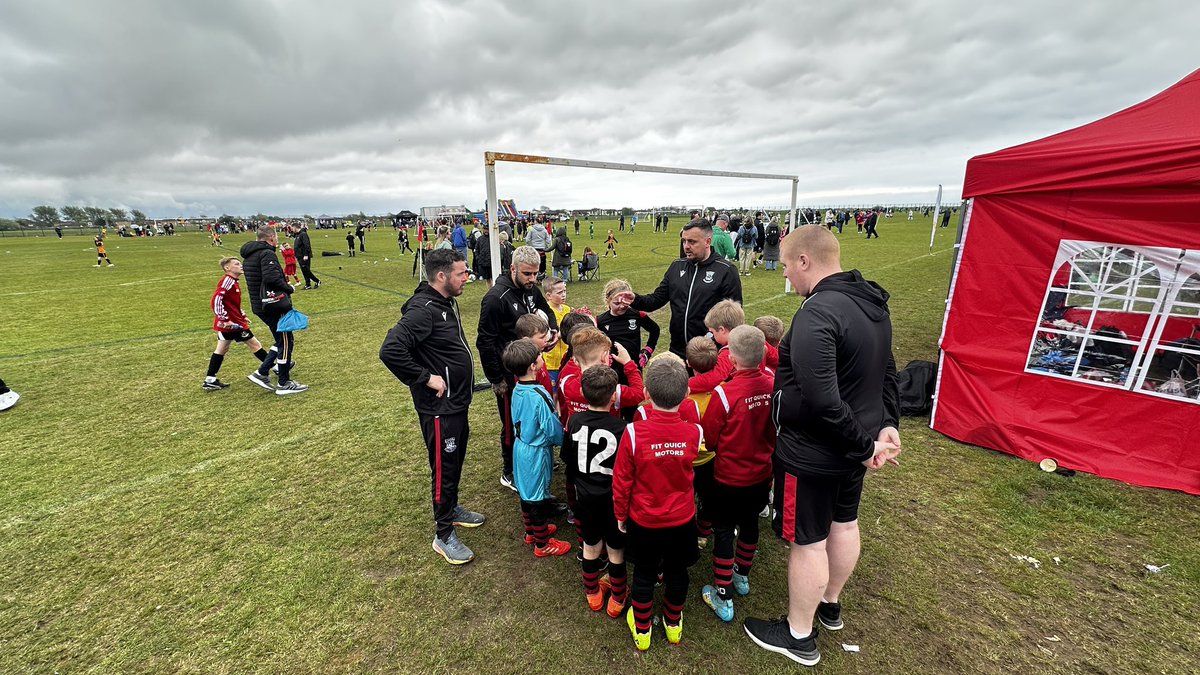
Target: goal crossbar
[493,207]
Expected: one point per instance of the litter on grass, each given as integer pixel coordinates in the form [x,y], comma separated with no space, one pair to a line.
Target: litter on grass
[1155,569]
[1034,562]
[850,648]
[1054,638]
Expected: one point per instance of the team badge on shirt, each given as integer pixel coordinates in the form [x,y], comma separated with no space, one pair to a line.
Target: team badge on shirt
[633,324]
[708,277]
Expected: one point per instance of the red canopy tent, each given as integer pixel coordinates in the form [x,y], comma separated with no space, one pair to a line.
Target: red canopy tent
[1072,329]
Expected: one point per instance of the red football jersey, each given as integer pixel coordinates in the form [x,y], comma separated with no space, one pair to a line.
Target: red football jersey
[652,477]
[227,304]
[289,256]
[738,427]
[628,395]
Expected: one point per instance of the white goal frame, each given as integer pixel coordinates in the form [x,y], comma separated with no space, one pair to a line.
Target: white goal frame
[493,207]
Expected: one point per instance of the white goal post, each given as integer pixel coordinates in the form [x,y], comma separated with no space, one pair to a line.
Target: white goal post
[493,207]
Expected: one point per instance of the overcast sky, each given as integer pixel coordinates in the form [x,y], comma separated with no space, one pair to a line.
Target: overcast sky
[291,107]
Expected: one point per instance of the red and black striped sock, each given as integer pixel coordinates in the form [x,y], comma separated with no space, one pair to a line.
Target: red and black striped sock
[745,557]
[723,574]
[672,613]
[703,528]
[616,577]
[525,520]
[641,615]
[591,575]
[541,535]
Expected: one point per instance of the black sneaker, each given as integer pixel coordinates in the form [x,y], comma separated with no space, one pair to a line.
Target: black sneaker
[215,385]
[775,636]
[263,381]
[830,615]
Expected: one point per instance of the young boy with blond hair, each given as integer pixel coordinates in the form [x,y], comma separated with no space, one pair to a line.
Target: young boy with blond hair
[772,328]
[653,501]
[555,291]
[536,430]
[229,322]
[722,318]
[738,428]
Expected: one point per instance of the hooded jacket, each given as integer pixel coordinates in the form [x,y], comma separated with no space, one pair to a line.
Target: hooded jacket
[270,293]
[836,386]
[692,288]
[499,310]
[562,248]
[303,245]
[429,340]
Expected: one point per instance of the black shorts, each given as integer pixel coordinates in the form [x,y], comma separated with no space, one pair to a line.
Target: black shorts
[732,505]
[702,484]
[597,523]
[807,504]
[670,546]
[241,335]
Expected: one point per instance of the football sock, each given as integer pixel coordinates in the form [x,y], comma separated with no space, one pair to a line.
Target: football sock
[591,575]
[261,355]
[745,557]
[616,577]
[214,364]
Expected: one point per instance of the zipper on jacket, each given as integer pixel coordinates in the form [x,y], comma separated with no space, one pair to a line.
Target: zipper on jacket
[688,307]
[447,383]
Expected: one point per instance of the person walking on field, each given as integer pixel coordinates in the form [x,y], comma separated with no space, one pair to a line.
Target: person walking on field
[427,350]
[304,256]
[230,323]
[270,299]
[836,408]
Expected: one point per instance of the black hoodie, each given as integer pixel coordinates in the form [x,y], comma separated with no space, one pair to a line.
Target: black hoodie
[270,293]
[429,339]
[836,386]
[499,310]
[692,288]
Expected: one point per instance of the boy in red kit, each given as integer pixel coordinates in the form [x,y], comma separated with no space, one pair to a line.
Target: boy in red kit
[739,429]
[772,328]
[289,264]
[229,322]
[653,501]
[589,450]
[722,318]
[591,347]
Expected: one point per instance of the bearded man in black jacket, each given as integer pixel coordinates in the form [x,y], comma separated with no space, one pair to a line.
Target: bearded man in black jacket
[836,408]
[692,285]
[270,299]
[514,294]
[427,350]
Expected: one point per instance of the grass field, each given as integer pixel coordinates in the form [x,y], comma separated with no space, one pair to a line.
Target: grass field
[148,526]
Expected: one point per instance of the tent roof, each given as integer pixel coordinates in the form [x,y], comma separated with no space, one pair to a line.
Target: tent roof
[1154,143]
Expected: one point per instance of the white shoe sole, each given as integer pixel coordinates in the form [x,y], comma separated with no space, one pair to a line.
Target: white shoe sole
[826,626]
[9,399]
[449,559]
[258,382]
[781,650]
[289,392]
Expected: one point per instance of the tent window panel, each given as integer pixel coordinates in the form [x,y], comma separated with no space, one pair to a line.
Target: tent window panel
[1175,370]
[1056,353]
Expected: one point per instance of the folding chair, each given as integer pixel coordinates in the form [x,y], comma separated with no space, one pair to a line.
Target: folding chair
[589,267]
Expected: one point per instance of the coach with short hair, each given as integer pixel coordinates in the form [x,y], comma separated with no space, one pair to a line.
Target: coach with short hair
[692,284]
[427,350]
[836,406]
[514,295]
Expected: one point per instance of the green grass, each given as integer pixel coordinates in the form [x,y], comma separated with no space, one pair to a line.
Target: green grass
[146,525]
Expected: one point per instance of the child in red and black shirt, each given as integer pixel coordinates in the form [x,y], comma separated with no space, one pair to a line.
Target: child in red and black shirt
[289,264]
[738,428]
[591,347]
[654,503]
[229,322]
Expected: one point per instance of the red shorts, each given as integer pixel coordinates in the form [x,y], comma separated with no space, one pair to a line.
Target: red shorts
[289,270]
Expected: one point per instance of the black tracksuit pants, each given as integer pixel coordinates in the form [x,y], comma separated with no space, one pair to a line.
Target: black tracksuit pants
[504,406]
[306,270]
[446,439]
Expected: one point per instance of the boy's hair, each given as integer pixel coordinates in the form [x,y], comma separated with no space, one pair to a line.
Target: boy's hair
[772,328]
[519,355]
[572,322]
[747,345]
[701,354]
[725,314]
[599,383]
[666,380]
[589,344]
[529,325]
[549,283]
[225,261]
